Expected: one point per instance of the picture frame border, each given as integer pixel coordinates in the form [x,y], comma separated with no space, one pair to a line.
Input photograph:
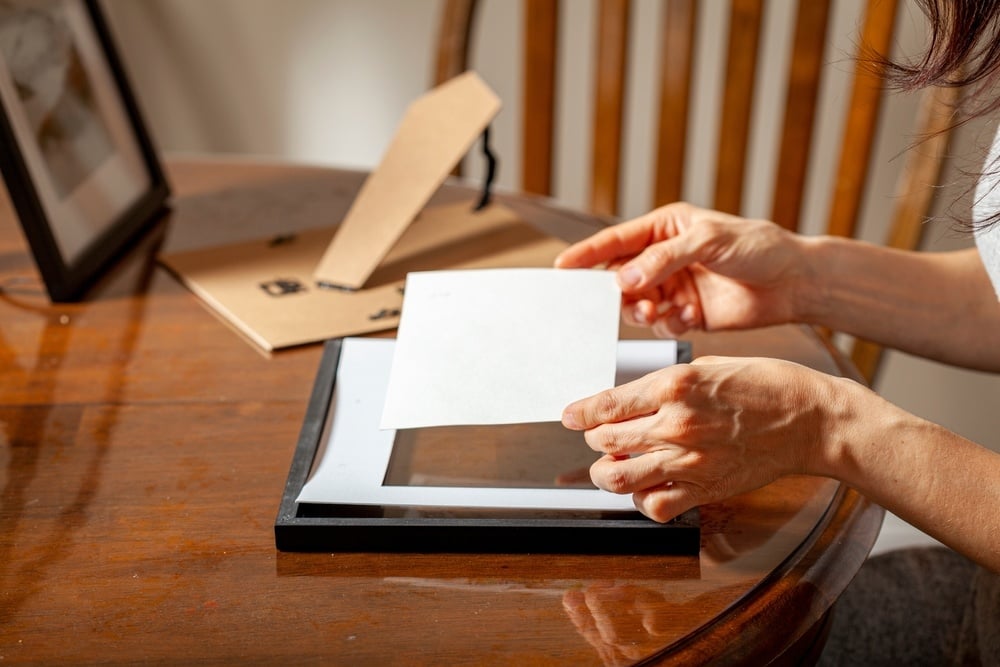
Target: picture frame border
[69,281]
[307,527]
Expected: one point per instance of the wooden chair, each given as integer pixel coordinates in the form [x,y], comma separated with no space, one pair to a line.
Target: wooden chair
[678,44]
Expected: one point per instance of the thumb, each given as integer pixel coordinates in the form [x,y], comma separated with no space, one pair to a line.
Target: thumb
[665,502]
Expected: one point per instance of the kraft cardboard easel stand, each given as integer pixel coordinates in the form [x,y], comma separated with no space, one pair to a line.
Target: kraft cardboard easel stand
[312,287]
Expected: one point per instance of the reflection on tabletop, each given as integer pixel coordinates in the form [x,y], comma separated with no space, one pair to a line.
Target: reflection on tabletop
[624,616]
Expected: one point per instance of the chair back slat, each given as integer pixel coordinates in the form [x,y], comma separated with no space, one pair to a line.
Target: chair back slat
[541,21]
[677,128]
[676,61]
[609,102]
[914,194]
[453,43]
[862,117]
[922,171]
[737,101]
[454,35]
[804,78]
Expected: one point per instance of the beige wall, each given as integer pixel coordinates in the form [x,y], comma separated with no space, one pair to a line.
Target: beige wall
[325,81]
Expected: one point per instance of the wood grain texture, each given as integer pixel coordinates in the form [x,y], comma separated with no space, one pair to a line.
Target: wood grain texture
[454,39]
[862,118]
[541,32]
[454,42]
[609,104]
[804,76]
[144,448]
[676,61]
[737,102]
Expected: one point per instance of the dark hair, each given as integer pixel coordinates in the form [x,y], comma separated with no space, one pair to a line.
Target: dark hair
[964,52]
[964,48]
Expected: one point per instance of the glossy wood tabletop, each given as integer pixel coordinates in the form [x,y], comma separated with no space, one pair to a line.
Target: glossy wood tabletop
[144,448]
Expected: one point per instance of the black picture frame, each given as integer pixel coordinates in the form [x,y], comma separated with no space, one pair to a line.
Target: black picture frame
[310,527]
[46,170]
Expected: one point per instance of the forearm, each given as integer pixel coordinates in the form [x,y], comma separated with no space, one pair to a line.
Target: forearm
[937,305]
[938,481]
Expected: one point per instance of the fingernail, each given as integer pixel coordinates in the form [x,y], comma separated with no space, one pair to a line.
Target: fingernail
[688,315]
[639,316]
[569,421]
[629,276]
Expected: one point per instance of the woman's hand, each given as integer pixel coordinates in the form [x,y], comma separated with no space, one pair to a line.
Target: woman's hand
[696,433]
[682,267]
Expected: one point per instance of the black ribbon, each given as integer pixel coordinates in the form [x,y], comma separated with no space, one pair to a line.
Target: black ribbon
[491,171]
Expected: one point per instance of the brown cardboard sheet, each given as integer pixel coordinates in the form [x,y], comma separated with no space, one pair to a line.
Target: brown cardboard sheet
[267,291]
[436,131]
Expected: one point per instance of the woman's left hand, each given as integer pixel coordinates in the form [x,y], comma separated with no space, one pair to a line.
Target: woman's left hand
[696,433]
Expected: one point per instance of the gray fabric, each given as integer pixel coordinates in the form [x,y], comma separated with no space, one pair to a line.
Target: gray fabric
[924,606]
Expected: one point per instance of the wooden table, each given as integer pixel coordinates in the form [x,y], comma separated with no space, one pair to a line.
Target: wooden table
[144,448]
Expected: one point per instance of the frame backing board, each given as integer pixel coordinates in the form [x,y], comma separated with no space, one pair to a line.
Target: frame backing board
[349,527]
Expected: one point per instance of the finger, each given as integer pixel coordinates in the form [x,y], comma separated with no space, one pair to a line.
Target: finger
[622,439]
[665,258]
[644,308]
[625,239]
[664,328]
[631,475]
[635,399]
[667,501]
[641,313]
[677,321]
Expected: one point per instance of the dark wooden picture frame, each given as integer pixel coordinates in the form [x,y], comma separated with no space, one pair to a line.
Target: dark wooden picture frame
[82,173]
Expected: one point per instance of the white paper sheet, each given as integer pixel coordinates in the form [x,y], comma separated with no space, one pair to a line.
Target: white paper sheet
[501,346]
[354,453]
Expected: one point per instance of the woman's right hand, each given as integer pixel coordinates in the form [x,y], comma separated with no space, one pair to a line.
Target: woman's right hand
[681,267]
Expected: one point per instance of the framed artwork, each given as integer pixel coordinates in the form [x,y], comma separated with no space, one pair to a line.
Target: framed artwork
[81,171]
